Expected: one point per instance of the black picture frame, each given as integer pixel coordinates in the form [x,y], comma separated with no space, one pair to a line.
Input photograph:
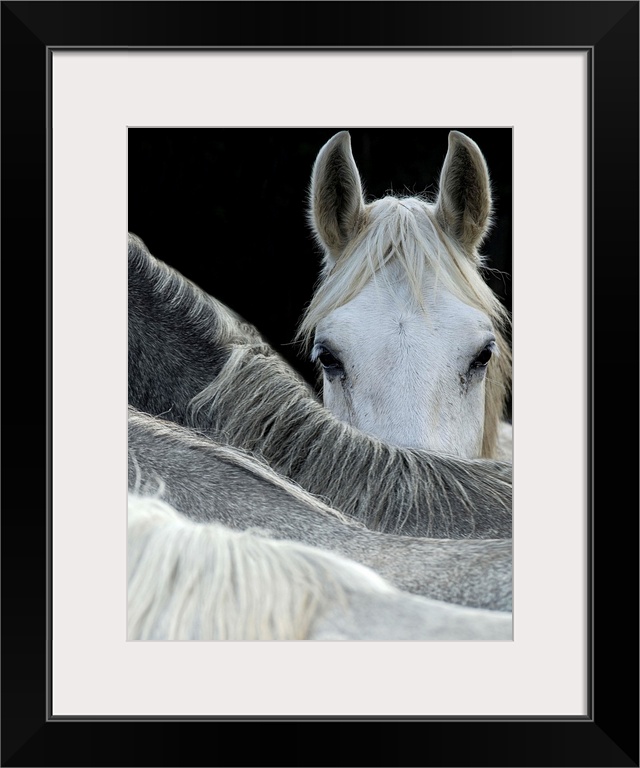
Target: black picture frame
[608,735]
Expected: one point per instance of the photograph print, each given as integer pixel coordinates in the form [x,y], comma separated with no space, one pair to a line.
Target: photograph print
[319,384]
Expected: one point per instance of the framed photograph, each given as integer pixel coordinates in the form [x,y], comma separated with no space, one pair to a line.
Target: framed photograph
[556,83]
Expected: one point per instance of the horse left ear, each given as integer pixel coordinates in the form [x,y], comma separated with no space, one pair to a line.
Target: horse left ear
[464,202]
[336,200]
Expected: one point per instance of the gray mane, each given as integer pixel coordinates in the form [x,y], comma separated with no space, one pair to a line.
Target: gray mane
[258,402]
[179,336]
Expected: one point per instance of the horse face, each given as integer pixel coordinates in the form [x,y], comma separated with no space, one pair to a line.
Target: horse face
[413,376]
[403,321]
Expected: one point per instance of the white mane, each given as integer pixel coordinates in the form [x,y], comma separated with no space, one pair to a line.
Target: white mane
[197,581]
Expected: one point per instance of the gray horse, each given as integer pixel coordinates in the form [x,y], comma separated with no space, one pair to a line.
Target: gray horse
[208,482]
[196,363]
[194,581]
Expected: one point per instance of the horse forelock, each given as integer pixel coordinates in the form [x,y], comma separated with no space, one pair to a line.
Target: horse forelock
[404,233]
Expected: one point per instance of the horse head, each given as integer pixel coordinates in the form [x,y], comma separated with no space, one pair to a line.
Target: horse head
[409,336]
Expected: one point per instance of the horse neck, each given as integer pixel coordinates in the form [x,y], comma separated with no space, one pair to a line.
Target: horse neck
[386,488]
[173,347]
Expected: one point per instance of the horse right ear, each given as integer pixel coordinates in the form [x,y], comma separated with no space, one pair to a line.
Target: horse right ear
[336,204]
[464,201]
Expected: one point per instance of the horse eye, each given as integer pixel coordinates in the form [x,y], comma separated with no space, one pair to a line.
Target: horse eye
[327,359]
[482,360]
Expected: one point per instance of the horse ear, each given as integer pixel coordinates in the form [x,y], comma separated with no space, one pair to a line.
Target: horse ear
[336,204]
[464,200]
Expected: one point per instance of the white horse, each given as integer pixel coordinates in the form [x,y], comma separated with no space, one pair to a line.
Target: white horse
[191,580]
[411,339]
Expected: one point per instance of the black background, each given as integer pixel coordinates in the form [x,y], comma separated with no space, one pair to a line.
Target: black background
[608,736]
[227,208]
